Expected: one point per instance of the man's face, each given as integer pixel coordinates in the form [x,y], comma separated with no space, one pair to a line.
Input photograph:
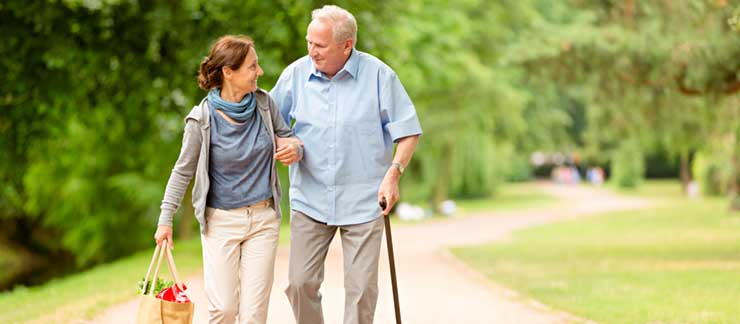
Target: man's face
[327,54]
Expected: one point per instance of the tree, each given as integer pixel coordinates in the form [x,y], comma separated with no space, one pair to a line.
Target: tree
[93,106]
[653,73]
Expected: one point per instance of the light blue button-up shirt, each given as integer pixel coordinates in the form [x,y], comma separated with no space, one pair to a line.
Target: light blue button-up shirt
[348,125]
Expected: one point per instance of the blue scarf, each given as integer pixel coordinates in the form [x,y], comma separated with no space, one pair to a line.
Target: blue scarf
[238,111]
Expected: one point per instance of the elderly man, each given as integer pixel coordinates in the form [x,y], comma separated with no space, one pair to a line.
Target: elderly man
[349,109]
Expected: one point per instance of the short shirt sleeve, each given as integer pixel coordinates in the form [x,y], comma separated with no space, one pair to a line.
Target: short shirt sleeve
[397,112]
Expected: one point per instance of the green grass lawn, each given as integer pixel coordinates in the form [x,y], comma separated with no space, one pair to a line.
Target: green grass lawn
[666,190]
[678,262]
[510,196]
[83,295]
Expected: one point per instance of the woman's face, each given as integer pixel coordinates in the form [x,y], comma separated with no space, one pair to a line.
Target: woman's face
[244,78]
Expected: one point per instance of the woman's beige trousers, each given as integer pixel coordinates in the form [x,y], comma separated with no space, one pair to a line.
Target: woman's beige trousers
[239,249]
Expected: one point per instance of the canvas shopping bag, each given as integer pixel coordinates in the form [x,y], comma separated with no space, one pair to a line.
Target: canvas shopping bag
[153,310]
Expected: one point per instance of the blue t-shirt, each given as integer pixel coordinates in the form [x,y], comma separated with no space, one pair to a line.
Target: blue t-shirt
[240,162]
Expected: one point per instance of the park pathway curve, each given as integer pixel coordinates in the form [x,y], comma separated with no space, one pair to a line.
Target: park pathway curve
[434,287]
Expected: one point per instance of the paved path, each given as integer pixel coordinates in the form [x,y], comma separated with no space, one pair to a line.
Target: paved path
[434,287]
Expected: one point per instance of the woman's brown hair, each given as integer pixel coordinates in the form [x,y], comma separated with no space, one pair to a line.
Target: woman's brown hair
[229,51]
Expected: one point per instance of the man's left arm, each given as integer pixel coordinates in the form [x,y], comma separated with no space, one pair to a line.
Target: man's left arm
[289,148]
[389,187]
[399,119]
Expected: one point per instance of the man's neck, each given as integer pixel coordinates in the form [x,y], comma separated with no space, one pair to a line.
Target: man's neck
[330,76]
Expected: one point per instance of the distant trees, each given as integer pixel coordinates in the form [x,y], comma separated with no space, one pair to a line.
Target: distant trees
[94,94]
[651,74]
[93,100]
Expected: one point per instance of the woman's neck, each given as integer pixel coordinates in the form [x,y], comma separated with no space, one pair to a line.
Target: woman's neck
[230,94]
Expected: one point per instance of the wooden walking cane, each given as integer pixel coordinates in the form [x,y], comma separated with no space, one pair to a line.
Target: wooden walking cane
[389,243]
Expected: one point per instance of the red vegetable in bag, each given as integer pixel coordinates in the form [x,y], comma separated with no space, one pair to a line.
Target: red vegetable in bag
[174,294]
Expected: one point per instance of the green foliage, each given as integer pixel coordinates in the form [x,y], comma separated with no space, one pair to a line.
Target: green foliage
[93,108]
[95,91]
[706,174]
[520,169]
[661,75]
[628,166]
[471,106]
[12,263]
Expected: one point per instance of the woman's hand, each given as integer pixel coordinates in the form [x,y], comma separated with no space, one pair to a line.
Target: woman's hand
[164,233]
[289,150]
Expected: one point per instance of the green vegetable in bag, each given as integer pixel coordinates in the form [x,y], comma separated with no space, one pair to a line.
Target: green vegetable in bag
[161,284]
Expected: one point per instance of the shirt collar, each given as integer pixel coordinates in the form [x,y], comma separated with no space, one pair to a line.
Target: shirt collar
[351,66]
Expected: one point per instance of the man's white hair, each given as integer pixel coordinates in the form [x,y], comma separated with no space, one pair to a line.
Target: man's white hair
[343,22]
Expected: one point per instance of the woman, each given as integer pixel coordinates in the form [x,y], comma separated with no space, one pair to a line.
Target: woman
[230,145]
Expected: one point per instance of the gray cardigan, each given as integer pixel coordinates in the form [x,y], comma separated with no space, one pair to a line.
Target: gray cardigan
[193,159]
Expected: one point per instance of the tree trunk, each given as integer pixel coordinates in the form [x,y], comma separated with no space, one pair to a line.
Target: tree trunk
[442,185]
[735,182]
[685,172]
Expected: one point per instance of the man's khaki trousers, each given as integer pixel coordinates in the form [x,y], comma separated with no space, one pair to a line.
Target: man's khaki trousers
[238,262]
[309,244]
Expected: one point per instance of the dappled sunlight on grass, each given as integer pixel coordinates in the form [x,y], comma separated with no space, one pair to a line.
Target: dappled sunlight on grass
[676,262]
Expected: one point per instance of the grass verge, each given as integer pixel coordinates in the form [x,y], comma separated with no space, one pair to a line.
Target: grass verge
[676,263]
[510,196]
[82,295]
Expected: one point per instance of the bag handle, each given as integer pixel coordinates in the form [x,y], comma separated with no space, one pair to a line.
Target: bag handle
[173,269]
[158,254]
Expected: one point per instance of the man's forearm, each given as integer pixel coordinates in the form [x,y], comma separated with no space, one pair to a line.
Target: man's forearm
[405,150]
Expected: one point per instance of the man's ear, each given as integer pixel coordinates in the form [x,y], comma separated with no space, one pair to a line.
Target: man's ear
[348,44]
